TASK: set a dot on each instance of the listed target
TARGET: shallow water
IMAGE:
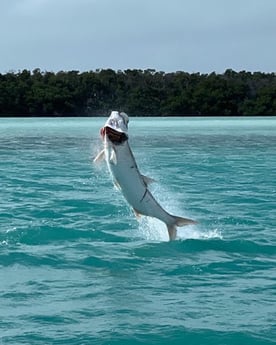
(76, 267)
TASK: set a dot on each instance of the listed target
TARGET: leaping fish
(127, 177)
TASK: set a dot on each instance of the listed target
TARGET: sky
(166, 35)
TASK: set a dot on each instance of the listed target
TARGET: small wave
(46, 234)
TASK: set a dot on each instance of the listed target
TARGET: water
(76, 267)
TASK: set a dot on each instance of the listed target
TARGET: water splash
(154, 230)
(196, 233)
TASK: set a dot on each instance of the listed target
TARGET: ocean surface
(77, 267)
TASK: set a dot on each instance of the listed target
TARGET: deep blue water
(76, 267)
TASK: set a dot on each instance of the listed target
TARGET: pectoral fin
(99, 157)
(113, 158)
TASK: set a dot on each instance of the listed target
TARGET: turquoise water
(76, 267)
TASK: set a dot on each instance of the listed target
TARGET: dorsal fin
(147, 180)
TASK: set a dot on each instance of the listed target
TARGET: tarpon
(127, 177)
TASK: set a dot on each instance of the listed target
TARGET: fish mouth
(114, 136)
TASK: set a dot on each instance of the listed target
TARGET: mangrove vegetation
(137, 92)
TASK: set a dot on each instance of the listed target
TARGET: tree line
(137, 92)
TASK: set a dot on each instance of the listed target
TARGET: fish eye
(113, 123)
(124, 118)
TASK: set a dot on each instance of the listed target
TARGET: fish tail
(177, 221)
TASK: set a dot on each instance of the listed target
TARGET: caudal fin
(178, 221)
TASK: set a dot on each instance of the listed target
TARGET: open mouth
(114, 136)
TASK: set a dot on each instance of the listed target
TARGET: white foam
(194, 232)
(153, 229)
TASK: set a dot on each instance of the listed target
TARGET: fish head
(115, 129)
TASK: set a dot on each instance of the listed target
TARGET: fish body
(127, 177)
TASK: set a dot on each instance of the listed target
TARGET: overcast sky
(166, 35)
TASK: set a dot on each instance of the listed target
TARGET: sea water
(77, 267)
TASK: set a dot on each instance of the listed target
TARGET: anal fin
(137, 214)
(116, 184)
